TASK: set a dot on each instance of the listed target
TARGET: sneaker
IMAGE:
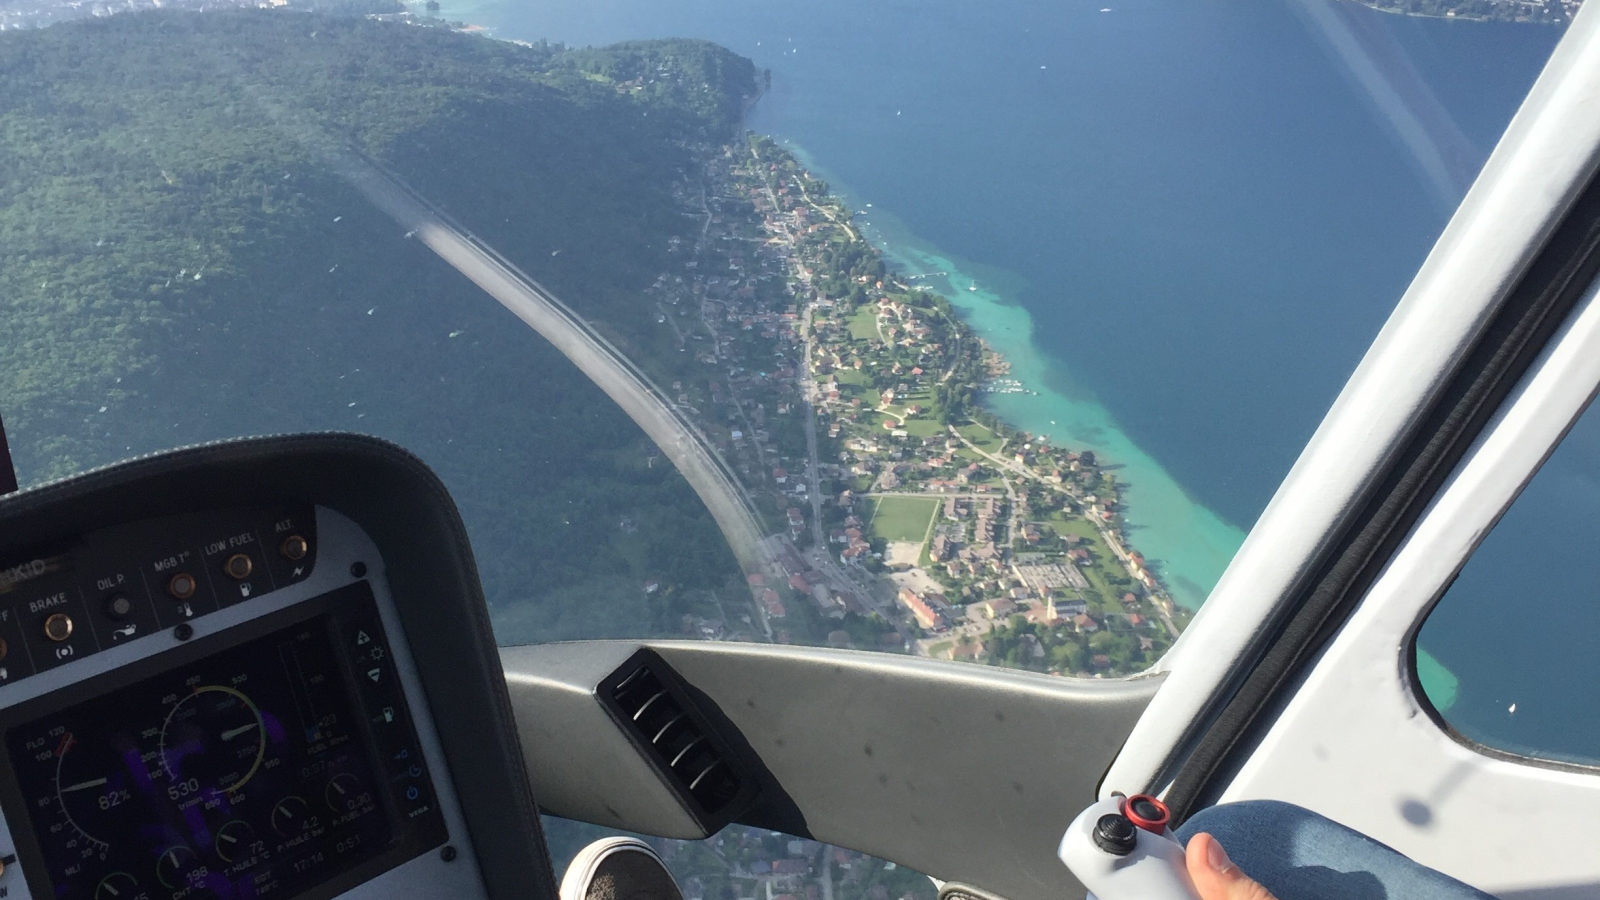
(618, 868)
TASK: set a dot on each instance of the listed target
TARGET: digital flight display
(261, 771)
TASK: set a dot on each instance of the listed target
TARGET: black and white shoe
(618, 868)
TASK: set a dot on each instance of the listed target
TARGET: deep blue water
(1205, 215)
(1520, 627)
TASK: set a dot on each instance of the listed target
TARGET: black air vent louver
(652, 706)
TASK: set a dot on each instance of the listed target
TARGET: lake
(1184, 222)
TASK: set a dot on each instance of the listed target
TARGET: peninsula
(1553, 12)
(850, 400)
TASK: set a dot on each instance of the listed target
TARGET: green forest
(178, 264)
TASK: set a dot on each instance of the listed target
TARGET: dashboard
(227, 702)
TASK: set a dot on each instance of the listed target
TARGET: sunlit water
(1185, 221)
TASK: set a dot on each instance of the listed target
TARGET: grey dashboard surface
(967, 773)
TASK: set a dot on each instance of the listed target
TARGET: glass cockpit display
(252, 772)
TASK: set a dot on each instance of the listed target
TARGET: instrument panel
(249, 766)
(217, 705)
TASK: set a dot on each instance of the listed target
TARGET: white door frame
(1357, 744)
(1543, 162)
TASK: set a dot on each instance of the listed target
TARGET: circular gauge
(342, 793)
(214, 738)
(234, 839)
(174, 866)
(291, 816)
(93, 788)
(116, 886)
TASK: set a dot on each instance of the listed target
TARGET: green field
(864, 323)
(981, 436)
(902, 518)
(922, 427)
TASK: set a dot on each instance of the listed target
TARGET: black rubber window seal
(1313, 612)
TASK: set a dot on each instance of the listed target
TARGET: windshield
(976, 332)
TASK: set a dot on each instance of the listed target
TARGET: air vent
(652, 706)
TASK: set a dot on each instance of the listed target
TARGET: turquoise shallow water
(1186, 220)
(1189, 544)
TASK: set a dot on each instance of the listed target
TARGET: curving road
(723, 494)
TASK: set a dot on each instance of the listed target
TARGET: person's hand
(1215, 875)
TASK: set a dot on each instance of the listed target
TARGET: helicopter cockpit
(268, 667)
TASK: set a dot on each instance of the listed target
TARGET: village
(767, 865)
(850, 403)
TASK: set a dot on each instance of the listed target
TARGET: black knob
(1115, 834)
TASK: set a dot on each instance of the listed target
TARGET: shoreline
(1446, 17)
(1187, 543)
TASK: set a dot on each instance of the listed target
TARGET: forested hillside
(178, 264)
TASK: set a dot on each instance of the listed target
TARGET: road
(1106, 536)
(931, 495)
(723, 494)
(808, 393)
(828, 214)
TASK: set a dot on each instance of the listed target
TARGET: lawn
(902, 518)
(851, 376)
(864, 323)
(981, 436)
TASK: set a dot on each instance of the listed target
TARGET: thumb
(1215, 875)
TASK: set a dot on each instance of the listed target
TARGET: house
(1068, 609)
(1085, 623)
(926, 615)
(1040, 614)
(999, 608)
(969, 651)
